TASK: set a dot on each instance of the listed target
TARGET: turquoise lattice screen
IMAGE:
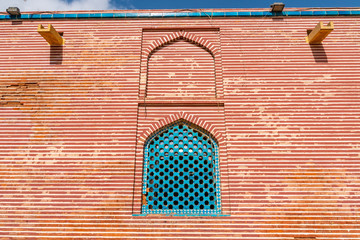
(181, 172)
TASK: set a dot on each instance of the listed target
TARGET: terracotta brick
(74, 120)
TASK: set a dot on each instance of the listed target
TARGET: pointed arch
(178, 116)
(214, 90)
(149, 127)
(181, 171)
(155, 45)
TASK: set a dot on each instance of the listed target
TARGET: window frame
(216, 171)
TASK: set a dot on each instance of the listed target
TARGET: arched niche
(181, 171)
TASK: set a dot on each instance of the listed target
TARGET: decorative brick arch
(144, 135)
(181, 35)
(201, 42)
(178, 116)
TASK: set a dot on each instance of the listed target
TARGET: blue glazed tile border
(156, 15)
(34, 16)
(332, 13)
(307, 13)
(49, 16)
(206, 14)
(180, 15)
(194, 14)
(292, 13)
(58, 15)
(143, 15)
(23, 16)
(220, 14)
(107, 15)
(355, 12)
(95, 15)
(342, 13)
(257, 14)
(319, 13)
(83, 15)
(244, 14)
(274, 14)
(119, 15)
(131, 15)
(231, 14)
(69, 15)
(167, 15)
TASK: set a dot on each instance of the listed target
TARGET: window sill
(180, 215)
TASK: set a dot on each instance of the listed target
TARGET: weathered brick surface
(73, 120)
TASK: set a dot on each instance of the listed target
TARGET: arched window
(181, 172)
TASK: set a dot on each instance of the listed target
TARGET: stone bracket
(319, 33)
(50, 34)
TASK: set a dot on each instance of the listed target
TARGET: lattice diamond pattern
(181, 174)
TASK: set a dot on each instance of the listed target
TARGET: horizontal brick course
(286, 117)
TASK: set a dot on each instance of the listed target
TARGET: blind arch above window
(181, 172)
(181, 69)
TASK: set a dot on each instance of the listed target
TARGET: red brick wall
(73, 119)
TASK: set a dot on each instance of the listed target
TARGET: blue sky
(66, 5)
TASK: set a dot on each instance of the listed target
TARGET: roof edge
(213, 14)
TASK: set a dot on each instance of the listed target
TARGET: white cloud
(61, 5)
